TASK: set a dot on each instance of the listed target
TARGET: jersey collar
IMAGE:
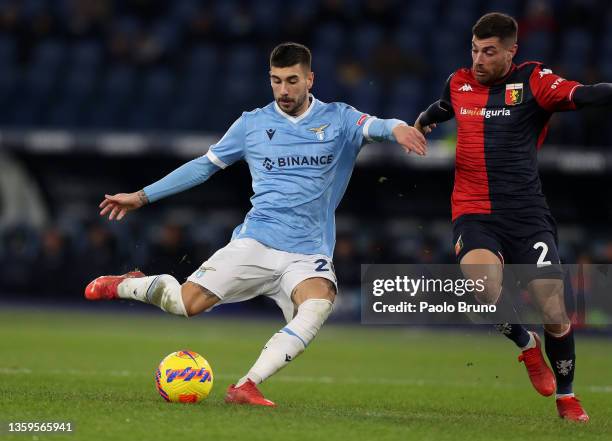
(297, 119)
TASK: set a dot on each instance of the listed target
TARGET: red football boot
(569, 408)
(540, 374)
(105, 287)
(247, 394)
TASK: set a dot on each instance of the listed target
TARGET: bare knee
(314, 288)
(557, 329)
(197, 299)
(484, 266)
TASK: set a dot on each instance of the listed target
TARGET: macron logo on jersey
(466, 88)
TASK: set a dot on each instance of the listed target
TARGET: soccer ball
(184, 377)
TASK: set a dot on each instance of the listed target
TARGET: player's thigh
(197, 299)
(241, 270)
(535, 256)
(479, 252)
(309, 277)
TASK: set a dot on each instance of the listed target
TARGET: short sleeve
(230, 148)
(552, 92)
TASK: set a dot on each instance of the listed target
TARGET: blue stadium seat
(405, 99)
(606, 68)
(33, 7)
(449, 53)
(576, 50)
(48, 57)
(158, 85)
(86, 54)
(203, 61)
(326, 82)
(80, 82)
(9, 77)
(167, 34)
(65, 114)
(510, 7)
(365, 40)
(412, 41)
(329, 36)
(266, 15)
(116, 90)
(537, 46)
(149, 109)
(244, 59)
(8, 50)
(460, 17)
(366, 97)
(119, 81)
(421, 15)
(607, 47)
(78, 86)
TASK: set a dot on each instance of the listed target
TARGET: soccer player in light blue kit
(301, 153)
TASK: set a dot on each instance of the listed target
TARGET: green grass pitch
(353, 382)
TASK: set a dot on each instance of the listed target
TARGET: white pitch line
(297, 379)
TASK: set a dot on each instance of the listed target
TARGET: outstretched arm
(395, 130)
(361, 128)
(595, 95)
(438, 112)
(186, 176)
(227, 151)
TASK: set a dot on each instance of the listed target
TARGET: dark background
(75, 72)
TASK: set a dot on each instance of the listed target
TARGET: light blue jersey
(300, 168)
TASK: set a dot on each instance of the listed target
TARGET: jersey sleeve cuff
(215, 159)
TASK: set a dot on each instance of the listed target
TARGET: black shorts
(528, 241)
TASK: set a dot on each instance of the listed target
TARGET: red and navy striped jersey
(499, 130)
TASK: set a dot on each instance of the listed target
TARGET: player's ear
(512, 50)
(310, 79)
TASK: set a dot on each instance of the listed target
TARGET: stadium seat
(330, 36)
(366, 97)
(365, 41)
(412, 41)
(537, 46)
(8, 50)
(86, 54)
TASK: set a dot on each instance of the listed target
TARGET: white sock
(532, 342)
(557, 396)
(289, 342)
(163, 291)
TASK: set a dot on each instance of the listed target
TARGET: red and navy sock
(515, 332)
(561, 352)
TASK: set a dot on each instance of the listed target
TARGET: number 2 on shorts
(322, 263)
(541, 261)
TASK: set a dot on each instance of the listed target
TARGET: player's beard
(490, 77)
(297, 104)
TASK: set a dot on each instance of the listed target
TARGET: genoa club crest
(514, 94)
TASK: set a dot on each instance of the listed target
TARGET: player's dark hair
(290, 54)
(496, 24)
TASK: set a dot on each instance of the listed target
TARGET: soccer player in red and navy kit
(499, 212)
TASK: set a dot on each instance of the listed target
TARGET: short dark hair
(496, 24)
(290, 54)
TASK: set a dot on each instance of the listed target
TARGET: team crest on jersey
(514, 94)
(458, 245)
(319, 131)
